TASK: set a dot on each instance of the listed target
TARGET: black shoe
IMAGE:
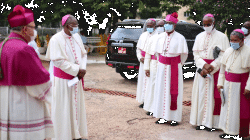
(161, 121)
(141, 106)
(174, 123)
(210, 129)
(222, 136)
(200, 127)
(149, 113)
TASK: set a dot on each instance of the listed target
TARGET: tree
(229, 14)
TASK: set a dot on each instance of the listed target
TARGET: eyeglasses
(33, 27)
(246, 27)
(74, 26)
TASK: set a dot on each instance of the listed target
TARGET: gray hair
(158, 21)
(209, 17)
(151, 21)
(18, 28)
(240, 35)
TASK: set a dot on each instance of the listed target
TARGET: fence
(4, 31)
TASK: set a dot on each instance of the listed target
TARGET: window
(186, 14)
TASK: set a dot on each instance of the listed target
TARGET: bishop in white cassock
(150, 67)
(234, 79)
(141, 52)
(172, 52)
(69, 58)
(206, 101)
(246, 30)
(25, 87)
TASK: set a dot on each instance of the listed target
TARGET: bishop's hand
(81, 73)
(219, 88)
(208, 67)
(147, 72)
(246, 93)
(142, 60)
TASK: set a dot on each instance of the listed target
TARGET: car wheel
(130, 75)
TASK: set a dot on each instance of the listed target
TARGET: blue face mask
(150, 30)
(160, 30)
(168, 27)
(235, 46)
(75, 30)
(245, 30)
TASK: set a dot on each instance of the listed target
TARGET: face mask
(235, 46)
(245, 30)
(75, 30)
(150, 30)
(208, 29)
(168, 27)
(160, 30)
(34, 36)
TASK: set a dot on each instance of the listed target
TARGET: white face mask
(34, 36)
(160, 29)
(208, 29)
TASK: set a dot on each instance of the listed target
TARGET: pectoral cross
(165, 51)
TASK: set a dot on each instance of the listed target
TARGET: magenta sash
(244, 102)
(143, 53)
(153, 57)
(173, 62)
(217, 99)
(61, 74)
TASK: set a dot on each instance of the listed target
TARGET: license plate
(122, 50)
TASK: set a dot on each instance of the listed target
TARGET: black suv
(121, 53)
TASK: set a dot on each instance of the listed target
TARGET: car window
(182, 29)
(127, 31)
(194, 30)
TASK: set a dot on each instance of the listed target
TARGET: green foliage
(229, 14)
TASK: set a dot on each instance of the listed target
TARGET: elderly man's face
(207, 22)
(160, 24)
(150, 25)
(247, 26)
(72, 24)
(236, 39)
(171, 23)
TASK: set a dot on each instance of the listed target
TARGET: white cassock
(247, 40)
(233, 61)
(151, 65)
(68, 105)
(142, 78)
(202, 107)
(173, 45)
(25, 109)
(34, 45)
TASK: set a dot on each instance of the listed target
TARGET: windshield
(127, 31)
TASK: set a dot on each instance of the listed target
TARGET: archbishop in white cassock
(205, 110)
(66, 51)
(172, 52)
(150, 67)
(234, 79)
(141, 48)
